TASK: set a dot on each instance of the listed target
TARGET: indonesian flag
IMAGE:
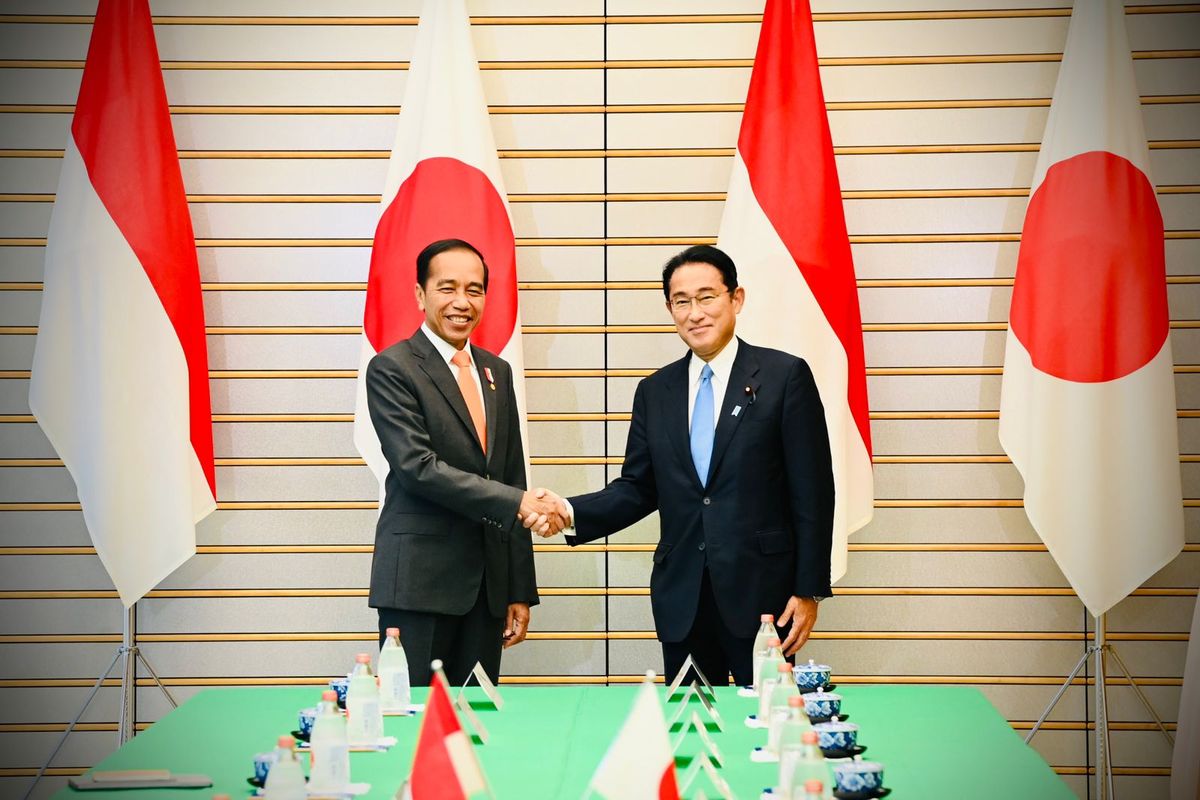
(784, 227)
(639, 764)
(120, 367)
(1087, 408)
(444, 765)
(443, 183)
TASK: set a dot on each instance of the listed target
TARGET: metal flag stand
(129, 654)
(1100, 649)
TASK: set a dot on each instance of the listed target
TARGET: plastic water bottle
(364, 717)
(781, 695)
(329, 764)
(395, 692)
(766, 632)
(285, 781)
(800, 764)
(768, 673)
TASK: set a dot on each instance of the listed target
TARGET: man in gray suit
(453, 566)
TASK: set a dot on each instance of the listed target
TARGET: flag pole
(1100, 649)
(129, 654)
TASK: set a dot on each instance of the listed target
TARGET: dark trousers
(458, 640)
(714, 649)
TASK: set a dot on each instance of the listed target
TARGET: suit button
(708, 501)
(701, 546)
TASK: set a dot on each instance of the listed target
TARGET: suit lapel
(440, 375)
(678, 400)
(742, 376)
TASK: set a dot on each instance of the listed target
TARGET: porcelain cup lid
(811, 667)
(835, 726)
(857, 766)
(818, 697)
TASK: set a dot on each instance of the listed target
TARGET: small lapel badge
(736, 410)
(491, 379)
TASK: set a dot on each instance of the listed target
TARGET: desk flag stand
(129, 654)
(1100, 649)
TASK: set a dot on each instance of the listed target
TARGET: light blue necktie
(702, 425)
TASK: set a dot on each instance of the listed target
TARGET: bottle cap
(393, 632)
(796, 701)
(809, 737)
(767, 618)
(329, 696)
(813, 786)
(286, 741)
(362, 658)
(774, 642)
(784, 667)
(221, 797)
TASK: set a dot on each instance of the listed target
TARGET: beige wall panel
(251, 264)
(627, 613)
(657, 174)
(560, 263)
(554, 658)
(561, 613)
(947, 525)
(568, 480)
(335, 220)
(52, 86)
(873, 83)
(25, 219)
(29, 174)
(634, 656)
(83, 747)
(669, 218)
(564, 395)
(562, 307)
(566, 438)
(24, 440)
(31, 705)
(55, 617)
(574, 568)
(283, 351)
(280, 395)
(552, 175)
(281, 308)
(643, 351)
(1152, 614)
(563, 350)
(933, 392)
(934, 437)
(645, 531)
(49, 785)
(21, 263)
(43, 528)
(287, 526)
(950, 481)
(934, 348)
(37, 484)
(284, 439)
(1173, 167)
(1025, 702)
(296, 483)
(337, 132)
(272, 571)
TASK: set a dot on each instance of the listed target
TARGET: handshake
(543, 512)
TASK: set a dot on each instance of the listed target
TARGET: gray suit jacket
(450, 514)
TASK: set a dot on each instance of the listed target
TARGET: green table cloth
(934, 741)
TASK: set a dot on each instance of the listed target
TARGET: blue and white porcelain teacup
(858, 776)
(341, 686)
(836, 735)
(822, 705)
(262, 766)
(307, 717)
(811, 676)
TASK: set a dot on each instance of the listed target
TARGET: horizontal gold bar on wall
(611, 19)
(664, 152)
(590, 64)
(631, 108)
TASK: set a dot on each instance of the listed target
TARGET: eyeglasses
(682, 305)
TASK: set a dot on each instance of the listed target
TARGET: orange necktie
(466, 384)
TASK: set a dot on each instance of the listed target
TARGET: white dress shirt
(447, 351)
(722, 365)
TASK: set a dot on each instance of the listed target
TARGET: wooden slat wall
(616, 121)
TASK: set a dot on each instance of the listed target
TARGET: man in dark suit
(729, 445)
(453, 566)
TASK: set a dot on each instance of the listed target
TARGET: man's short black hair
(441, 246)
(701, 254)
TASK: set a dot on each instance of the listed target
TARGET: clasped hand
(543, 512)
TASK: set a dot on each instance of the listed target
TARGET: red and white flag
(784, 227)
(1087, 408)
(444, 764)
(639, 764)
(443, 182)
(120, 367)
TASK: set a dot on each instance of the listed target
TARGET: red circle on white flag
(1090, 296)
(443, 198)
